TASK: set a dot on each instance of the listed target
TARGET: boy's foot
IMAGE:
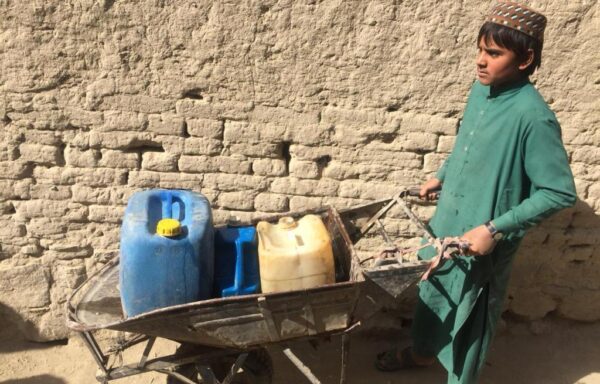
(394, 360)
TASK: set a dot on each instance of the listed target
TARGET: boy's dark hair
(515, 41)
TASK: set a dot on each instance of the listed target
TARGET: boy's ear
(528, 60)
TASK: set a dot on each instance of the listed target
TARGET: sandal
(388, 361)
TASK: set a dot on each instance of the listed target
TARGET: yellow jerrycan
(294, 254)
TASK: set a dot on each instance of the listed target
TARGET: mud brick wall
(263, 106)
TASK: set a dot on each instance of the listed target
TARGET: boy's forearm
(533, 210)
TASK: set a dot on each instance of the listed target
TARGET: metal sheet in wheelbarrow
(237, 322)
(394, 277)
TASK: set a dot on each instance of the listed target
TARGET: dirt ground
(549, 352)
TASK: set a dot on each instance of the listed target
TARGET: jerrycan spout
(287, 222)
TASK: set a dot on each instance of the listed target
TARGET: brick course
(263, 109)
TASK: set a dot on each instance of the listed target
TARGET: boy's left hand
(481, 241)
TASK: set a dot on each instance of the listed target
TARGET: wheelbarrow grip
(416, 191)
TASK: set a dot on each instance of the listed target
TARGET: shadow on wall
(41, 379)
(556, 277)
(11, 336)
(557, 270)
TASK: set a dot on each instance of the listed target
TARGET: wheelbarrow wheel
(257, 369)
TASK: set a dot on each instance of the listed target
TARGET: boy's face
(496, 65)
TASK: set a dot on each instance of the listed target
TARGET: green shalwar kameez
(508, 165)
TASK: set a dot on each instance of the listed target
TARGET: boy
(508, 171)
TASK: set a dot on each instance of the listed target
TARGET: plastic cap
(168, 227)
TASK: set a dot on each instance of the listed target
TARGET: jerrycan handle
(239, 265)
(238, 276)
(167, 204)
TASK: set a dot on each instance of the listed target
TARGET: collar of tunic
(505, 90)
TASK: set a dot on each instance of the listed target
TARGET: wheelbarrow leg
(207, 374)
(301, 367)
(241, 359)
(345, 353)
(94, 348)
(147, 350)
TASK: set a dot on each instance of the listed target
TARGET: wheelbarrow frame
(264, 319)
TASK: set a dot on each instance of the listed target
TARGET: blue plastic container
(158, 271)
(236, 261)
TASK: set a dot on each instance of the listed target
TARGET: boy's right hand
(429, 190)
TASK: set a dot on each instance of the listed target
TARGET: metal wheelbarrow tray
(242, 323)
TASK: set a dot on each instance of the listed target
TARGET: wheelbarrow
(223, 340)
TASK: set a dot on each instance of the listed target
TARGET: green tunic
(508, 165)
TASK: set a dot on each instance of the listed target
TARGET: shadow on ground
(561, 352)
(557, 351)
(40, 379)
(12, 338)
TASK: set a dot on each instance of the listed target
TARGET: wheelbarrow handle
(415, 191)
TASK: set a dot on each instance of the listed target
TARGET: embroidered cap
(519, 17)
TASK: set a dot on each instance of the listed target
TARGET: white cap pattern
(520, 18)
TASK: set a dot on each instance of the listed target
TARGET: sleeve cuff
(441, 173)
(506, 223)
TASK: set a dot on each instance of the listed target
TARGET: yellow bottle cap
(168, 228)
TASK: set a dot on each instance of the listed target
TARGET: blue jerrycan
(236, 261)
(167, 250)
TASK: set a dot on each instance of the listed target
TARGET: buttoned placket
(474, 131)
